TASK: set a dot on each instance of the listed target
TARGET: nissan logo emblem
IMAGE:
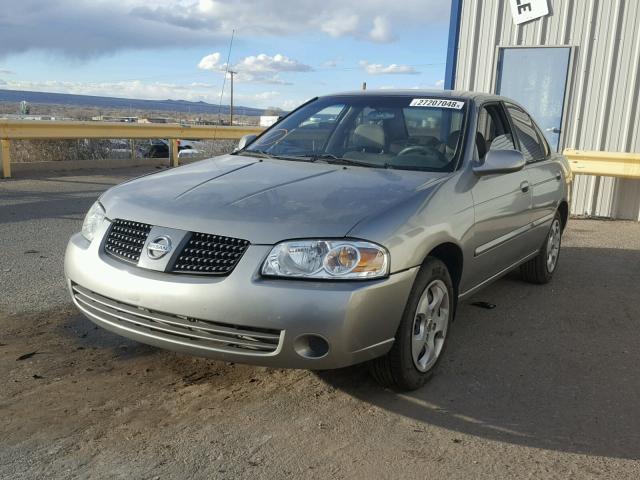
(159, 247)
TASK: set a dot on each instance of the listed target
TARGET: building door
(537, 78)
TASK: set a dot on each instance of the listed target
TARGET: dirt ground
(545, 385)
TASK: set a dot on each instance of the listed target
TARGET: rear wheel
(422, 334)
(541, 268)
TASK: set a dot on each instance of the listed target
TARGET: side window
(543, 141)
(530, 145)
(493, 131)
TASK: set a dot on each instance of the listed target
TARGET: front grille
(126, 239)
(176, 329)
(210, 254)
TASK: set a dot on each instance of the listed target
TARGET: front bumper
(357, 319)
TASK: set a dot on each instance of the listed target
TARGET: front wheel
(540, 269)
(422, 334)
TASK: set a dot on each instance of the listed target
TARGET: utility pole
(232, 73)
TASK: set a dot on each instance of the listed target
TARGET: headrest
(481, 144)
(452, 140)
(369, 135)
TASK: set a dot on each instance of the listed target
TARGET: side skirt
(495, 277)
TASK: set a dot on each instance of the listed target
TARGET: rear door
(542, 172)
(502, 202)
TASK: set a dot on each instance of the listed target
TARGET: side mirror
(500, 161)
(245, 140)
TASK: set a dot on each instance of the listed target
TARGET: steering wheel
(432, 152)
(416, 150)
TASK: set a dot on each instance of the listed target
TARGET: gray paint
(601, 111)
(497, 221)
(500, 161)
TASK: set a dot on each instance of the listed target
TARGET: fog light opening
(311, 346)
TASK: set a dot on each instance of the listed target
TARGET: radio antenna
(226, 72)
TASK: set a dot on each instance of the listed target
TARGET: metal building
(577, 69)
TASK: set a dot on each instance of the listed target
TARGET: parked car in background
(119, 148)
(160, 149)
(347, 232)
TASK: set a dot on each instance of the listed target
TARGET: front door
(537, 78)
(502, 202)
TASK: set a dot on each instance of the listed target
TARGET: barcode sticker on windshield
(437, 103)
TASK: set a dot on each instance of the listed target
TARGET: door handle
(552, 130)
(524, 186)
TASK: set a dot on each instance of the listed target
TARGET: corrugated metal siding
(602, 96)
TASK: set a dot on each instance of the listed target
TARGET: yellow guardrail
(610, 164)
(52, 130)
(607, 164)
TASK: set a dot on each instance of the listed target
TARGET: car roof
(459, 94)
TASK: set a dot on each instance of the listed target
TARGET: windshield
(413, 133)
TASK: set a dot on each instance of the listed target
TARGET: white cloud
(392, 69)
(261, 63)
(264, 63)
(340, 24)
(207, 6)
(195, 91)
(88, 28)
(210, 62)
(260, 68)
(381, 31)
(126, 89)
(435, 86)
(266, 95)
(332, 63)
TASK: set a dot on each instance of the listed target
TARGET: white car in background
(186, 149)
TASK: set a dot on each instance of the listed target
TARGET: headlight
(328, 259)
(92, 221)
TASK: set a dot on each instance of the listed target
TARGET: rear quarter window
(531, 146)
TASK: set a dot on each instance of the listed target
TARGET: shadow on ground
(552, 366)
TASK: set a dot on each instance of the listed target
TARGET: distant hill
(121, 103)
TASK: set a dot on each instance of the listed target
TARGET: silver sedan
(345, 233)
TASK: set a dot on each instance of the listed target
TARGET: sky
(285, 51)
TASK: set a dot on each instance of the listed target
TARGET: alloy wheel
(430, 325)
(553, 245)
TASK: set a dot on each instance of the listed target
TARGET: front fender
(440, 214)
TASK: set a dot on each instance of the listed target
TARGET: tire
(541, 268)
(407, 366)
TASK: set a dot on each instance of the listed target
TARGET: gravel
(544, 385)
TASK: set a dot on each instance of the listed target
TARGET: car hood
(263, 201)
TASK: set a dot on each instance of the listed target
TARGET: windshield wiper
(265, 154)
(314, 157)
(331, 158)
(255, 153)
